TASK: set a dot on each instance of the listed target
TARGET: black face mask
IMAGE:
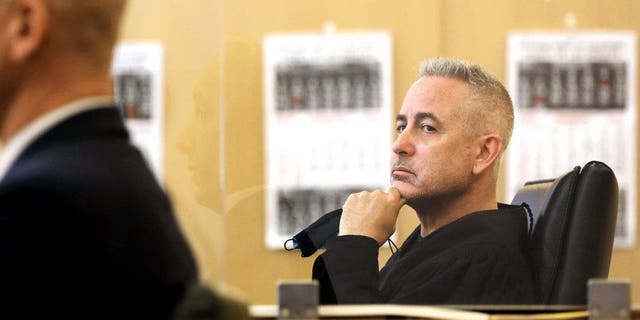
(315, 235)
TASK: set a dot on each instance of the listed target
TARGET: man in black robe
(454, 125)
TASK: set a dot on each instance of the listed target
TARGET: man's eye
(400, 128)
(428, 128)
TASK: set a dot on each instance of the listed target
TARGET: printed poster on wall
(575, 99)
(327, 106)
(138, 83)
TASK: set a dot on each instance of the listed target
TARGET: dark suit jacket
(85, 230)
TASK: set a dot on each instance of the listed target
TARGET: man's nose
(404, 143)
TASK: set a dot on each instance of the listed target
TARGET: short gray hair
(488, 108)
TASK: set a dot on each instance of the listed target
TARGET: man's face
(431, 155)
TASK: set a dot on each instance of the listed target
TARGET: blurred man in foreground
(85, 230)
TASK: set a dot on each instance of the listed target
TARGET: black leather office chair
(574, 219)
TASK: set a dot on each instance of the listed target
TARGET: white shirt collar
(20, 141)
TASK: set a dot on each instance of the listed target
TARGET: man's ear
(28, 26)
(489, 152)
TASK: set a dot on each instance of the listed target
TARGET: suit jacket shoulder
(82, 215)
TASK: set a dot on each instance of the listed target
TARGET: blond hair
(86, 27)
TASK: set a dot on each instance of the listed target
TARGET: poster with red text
(327, 106)
(574, 95)
(138, 82)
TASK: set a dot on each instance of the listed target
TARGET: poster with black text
(327, 124)
(138, 83)
(574, 95)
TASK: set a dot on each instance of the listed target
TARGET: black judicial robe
(477, 259)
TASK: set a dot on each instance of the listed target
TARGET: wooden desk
(388, 311)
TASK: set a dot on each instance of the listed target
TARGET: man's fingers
(395, 194)
(372, 214)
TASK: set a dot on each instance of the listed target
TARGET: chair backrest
(574, 220)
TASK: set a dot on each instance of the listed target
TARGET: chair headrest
(574, 224)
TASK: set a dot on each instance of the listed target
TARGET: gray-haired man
(454, 125)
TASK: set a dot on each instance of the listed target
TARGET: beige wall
(191, 34)
(214, 154)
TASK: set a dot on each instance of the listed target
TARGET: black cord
(527, 209)
(390, 242)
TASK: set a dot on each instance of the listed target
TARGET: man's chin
(404, 188)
